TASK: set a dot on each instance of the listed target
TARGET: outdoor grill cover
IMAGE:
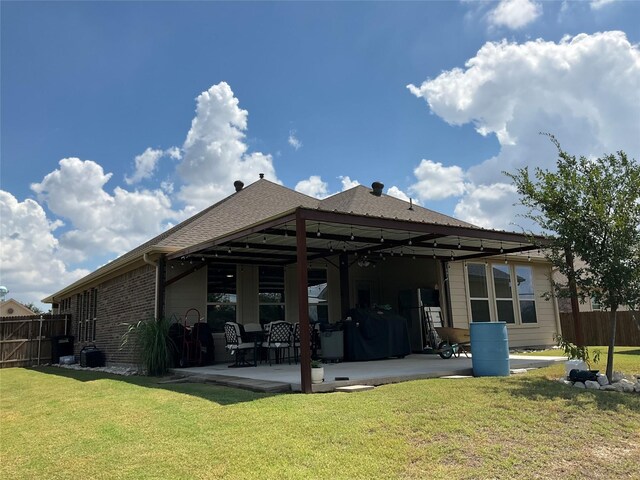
(375, 334)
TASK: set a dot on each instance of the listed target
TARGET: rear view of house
(269, 253)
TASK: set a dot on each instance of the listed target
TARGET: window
(503, 292)
(318, 295)
(526, 298)
(478, 292)
(510, 299)
(86, 313)
(221, 296)
(271, 294)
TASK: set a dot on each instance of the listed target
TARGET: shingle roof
(360, 201)
(262, 200)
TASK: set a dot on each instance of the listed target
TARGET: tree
(31, 306)
(591, 208)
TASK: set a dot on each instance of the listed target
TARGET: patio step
(252, 384)
(354, 388)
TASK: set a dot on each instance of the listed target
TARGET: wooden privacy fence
(26, 341)
(596, 328)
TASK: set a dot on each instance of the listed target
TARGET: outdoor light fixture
(364, 262)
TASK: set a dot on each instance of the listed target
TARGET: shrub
(151, 337)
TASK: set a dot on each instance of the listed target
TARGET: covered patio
(304, 235)
(285, 377)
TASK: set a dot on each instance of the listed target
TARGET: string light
(318, 232)
(501, 249)
(410, 242)
(435, 244)
(264, 239)
(481, 246)
(459, 246)
(381, 237)
(352, 237)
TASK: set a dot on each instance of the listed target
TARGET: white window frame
(515, 296)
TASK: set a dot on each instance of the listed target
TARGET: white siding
(539, 334)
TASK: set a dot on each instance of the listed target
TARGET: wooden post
(573, 291)
(303, 304)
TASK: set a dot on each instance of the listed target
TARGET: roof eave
(121, 263)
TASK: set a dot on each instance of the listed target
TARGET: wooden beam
(303, 306)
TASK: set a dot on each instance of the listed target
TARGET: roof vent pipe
(376, 188)
(238, 184)
(261, 175)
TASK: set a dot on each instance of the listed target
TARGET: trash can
(331, 342)
(61, 346)
(489, 349)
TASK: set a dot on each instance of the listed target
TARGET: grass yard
(58, 423)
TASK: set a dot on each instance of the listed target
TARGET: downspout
(145, 257)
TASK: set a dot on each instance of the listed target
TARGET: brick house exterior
(263, 225)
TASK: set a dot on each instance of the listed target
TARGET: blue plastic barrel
(489, 349)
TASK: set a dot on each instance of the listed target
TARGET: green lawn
(57, 423)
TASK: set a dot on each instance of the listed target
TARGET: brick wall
(124, 300)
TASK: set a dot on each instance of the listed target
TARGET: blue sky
(314, 94)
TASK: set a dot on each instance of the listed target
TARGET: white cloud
(31, 268)
(396, 192)
(347, 183)
(598, 4)
(313, 186)
(294, 141)
(145, 164)
(214, 153)
(489, 206)
(583, 89)
(436, 181)
(101, 222)
(514, 14)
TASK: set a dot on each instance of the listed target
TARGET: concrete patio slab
(285, 377)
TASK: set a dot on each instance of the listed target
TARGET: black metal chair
(236, 345)
(278, 339)
(296, 340)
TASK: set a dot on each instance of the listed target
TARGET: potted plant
(317, 371)
(579, 357)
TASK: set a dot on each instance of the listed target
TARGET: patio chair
(296, 340)
(278, 339)
(236, 346)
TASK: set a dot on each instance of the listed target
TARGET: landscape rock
(637, 387)
(618, 387)
(616, 377)
(579, 385)
(602, 379)
(592, 385)
(608, 388)
(627, 385)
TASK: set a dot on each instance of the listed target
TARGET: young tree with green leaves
(591, 209)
